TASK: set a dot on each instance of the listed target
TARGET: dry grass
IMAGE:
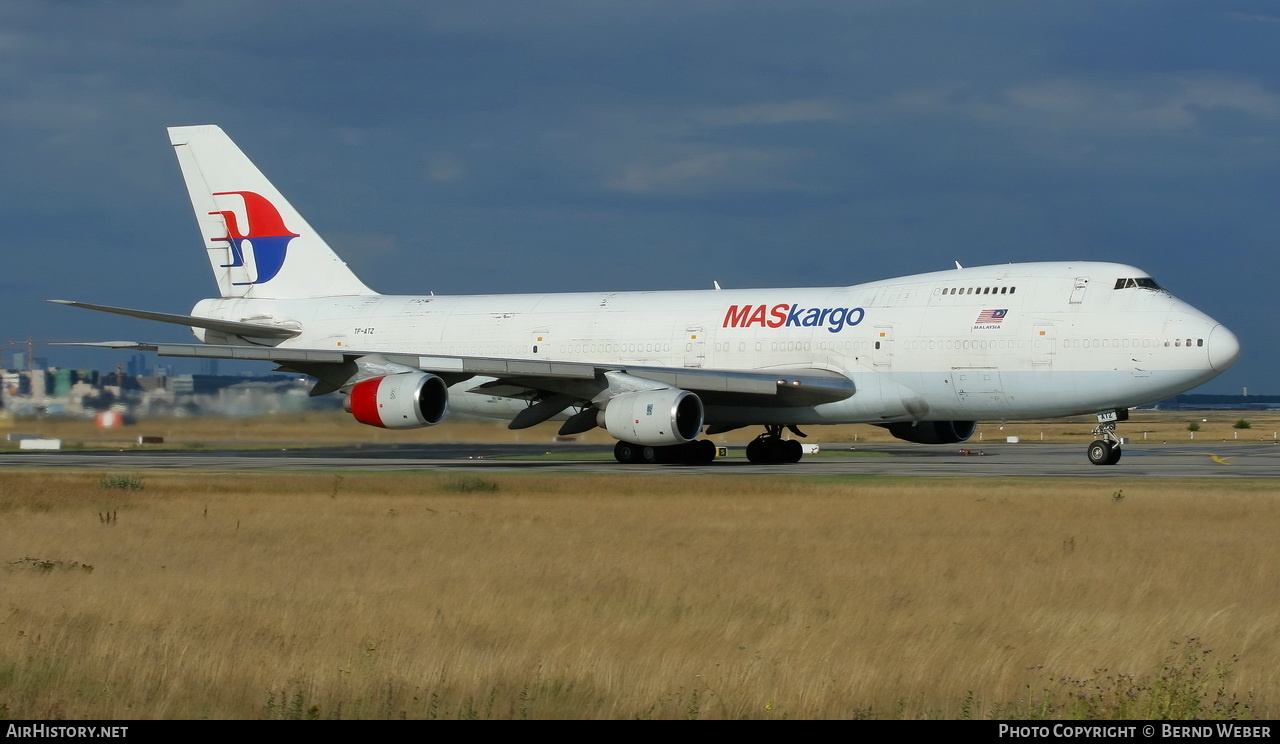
(337, 427)
(607, 597)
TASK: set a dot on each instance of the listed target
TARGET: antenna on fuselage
(958, 266)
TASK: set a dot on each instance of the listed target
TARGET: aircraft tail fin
(259, 246)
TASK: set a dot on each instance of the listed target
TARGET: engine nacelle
(654, 417)
(932, 432)
(404, 401)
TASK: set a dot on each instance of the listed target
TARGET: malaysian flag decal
(991, 316)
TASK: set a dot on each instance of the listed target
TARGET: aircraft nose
(1224, 348)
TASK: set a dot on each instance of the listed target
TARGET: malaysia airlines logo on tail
(265, 231)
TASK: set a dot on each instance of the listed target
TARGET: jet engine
(932, 432)
(654, 417)
(402, 401)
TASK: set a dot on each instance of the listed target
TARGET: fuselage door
(882, 347)
(979, 389)
(1044, 345)
(694, 346)
(540, 343)
(1077, 292)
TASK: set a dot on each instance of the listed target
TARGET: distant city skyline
(136, 364)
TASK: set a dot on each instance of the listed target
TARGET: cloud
(781, 112)
(445, 169)
(707, 170)
(1164, 102)
(1255, 18)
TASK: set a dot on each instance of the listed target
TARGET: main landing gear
(699, 452)
(770, 448)
(1105, 450)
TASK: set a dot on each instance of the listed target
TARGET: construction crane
(30, 344)
(31, 351)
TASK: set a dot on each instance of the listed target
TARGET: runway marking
(1250, 461)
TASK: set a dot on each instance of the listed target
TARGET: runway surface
(1027, 460)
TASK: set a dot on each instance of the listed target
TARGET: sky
(495, 146)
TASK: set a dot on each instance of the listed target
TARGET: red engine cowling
(405, 401)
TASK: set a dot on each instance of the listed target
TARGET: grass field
(186, 595)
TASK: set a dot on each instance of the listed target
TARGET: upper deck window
(1144, 282)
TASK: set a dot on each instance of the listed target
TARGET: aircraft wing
(531, 378)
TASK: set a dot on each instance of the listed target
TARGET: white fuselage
(996, 342)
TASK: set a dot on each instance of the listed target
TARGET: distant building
(137, 366)
(148, 391)
(14, 383)
(36, 383)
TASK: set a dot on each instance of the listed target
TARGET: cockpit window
(1144, 282)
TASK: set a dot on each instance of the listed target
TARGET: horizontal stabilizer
(232, 327)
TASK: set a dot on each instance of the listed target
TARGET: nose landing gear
(1105, 450)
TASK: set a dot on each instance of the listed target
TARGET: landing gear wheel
(1102, 452)
(697, 452)
(626, 453)
(771, 449)
(1105, 450)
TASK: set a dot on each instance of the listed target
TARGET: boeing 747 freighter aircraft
(925, 356)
